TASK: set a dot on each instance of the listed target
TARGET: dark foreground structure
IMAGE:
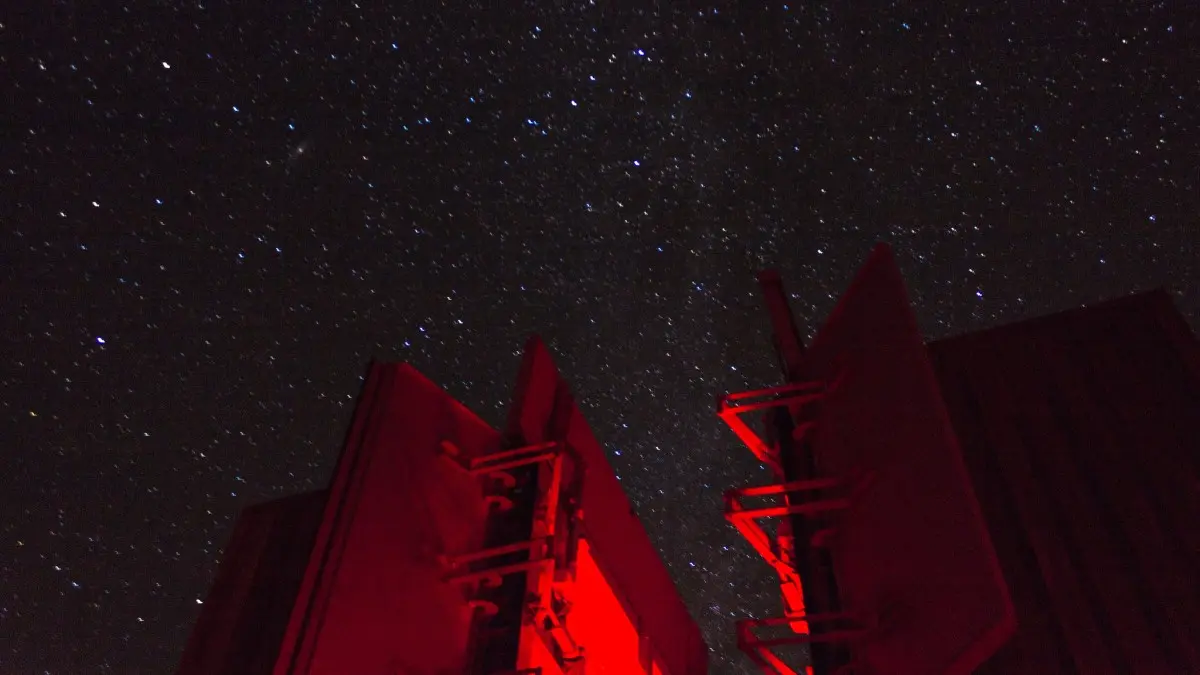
(1018, 500)
(442, 546)
(1081, 433)
(1023, 500)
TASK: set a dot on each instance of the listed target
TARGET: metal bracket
(547, 553)
(746, 522)
(787, 499)
(731, 407)
(492, 576)
(838, 628)
(496, 462)
(549, 626)
(744, 519)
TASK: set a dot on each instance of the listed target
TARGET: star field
(213, 214)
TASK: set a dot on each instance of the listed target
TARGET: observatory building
(1021, 500)
(1018, 500)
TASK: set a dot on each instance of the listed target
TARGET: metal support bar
(856, 627)
(551, 537)
(513, 463)
(494, 575)
(788, 450)
(809, 508)
(777, 555)
(760, 650)
(789, 346)
(784, 488)
(731, 407)
(484, 554)
(743, 518)
(505, 459)
(479, 462)
(813, 387)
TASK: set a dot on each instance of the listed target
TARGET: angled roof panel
(1081, 431)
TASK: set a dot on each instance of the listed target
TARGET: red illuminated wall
(358, 578)
(1081, 432)
(349, 579)
(602, 623)
(373, 600)
(615, 538)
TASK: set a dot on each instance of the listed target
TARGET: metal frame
(541, 546)
(788, 499)
(502, 460)
(744, 519)
(732, 406)
(761, 650)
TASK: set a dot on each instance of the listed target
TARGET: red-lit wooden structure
(445, 547)
(1020, 500)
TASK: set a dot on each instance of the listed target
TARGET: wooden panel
(1005, 516)
(1087, 425)
(374, 601)
(913, 549)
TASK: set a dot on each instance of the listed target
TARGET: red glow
(919, 587)
(406, 563)
(537, 654)
(599, 621)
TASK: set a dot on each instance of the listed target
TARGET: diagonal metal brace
(744, 519)
(838, 628)
(731, 407)
(506, 459)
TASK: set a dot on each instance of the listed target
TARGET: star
(431, 186)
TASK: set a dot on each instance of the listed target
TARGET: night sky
(213, 213)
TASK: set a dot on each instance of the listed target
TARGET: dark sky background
(213, 214)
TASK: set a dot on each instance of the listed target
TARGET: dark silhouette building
(1018, 500)
(1021, 500)
(443, 546)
